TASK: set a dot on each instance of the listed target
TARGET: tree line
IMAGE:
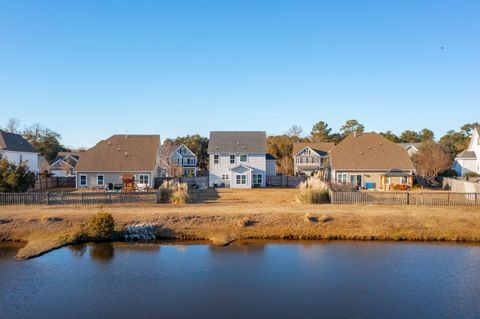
(45, 140)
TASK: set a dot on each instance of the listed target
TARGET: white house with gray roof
(16, 149)
(239, 159)
(468, 161)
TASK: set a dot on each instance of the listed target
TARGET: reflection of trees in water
(102, 251)
(78, 250)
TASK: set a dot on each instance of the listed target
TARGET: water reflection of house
(371, 161)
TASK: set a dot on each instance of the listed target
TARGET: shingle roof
(407, 145)
(121, 153)
(270, 157)
(238, 142)
(369, 151)
(467, 155)
(15, 142)
(321, 148)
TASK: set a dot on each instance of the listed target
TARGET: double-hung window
(100, 180)
(83, 180)
(225, 177)
(243, 158)
(257, 179)
(241, 179)
(143, 178)
(232, 159)
(216, 159)
(342, 178)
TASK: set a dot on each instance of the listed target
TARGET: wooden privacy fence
(77, 198)
(285, 181)
(406, 198)
(50, 182)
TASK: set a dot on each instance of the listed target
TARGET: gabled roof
(238, 142)
(369, 151)
(121, 153)
(467, 155)
(409, 145)
(71, 158)
(170, 149)
(241, 165)
(320, 148)
(15, 143)
(270, 157)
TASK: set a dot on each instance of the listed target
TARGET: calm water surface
(247, 280)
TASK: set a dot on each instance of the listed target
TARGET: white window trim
(256, 177)
(343, 175)
(216, 159)
(234, 158)
(242, 178)
(240, 158)
(103, 179)
(80, 180)
(225, 177)
(143, 175)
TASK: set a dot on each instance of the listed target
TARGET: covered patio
(396, 180)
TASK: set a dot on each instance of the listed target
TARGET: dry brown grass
(273, 213)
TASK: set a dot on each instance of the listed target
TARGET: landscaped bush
(173, 192)
(101, 226)
(312, 191)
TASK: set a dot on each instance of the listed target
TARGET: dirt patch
(260, 214)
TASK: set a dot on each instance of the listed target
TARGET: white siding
(271, 167)
(255, 161)
(464, 166)
(30, 158)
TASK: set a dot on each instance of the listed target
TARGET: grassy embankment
(226, 215)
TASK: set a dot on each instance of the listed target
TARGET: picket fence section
(406, 198)
(77, 198)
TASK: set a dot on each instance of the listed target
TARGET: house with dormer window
(178, 160)
(310, 158)
(239, 159)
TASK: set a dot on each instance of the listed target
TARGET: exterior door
(356, 180)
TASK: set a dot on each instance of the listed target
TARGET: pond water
(245, 280)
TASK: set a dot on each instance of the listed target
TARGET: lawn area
(221, 214)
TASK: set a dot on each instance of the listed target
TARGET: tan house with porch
(370, 161)
(135, 156)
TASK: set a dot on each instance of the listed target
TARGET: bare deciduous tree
(168, 167)
(431, 160)
(13, 126)
(285, 166)
(295, 131)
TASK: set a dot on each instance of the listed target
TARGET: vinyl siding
(30, 158)
(110, 177)
(255, 161)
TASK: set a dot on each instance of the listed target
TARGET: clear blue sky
(89, 69)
